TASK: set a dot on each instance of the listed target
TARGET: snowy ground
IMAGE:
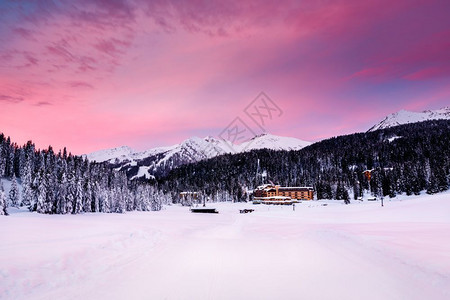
(359, 251)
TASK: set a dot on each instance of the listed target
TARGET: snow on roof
(273, 197)
(270, 186)
(295, 187)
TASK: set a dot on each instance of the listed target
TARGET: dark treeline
(403, 159)
(61, 183)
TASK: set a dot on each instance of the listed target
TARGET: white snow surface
(356, 251)
(7, 186)
(406, 117)
(143, 172)
(391, 139)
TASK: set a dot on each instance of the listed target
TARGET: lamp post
(368, 174)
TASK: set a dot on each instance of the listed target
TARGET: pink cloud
(145, 73)
(429, 73)
(379, 73)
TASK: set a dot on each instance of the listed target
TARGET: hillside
(159, 161)
(404, 159)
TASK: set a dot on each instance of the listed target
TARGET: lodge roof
(272, 188)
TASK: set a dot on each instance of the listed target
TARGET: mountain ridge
(406, 117)
(162, 159)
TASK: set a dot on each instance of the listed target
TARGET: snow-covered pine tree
(27, 184)
(14, 198)
(146, 194)
(35, 192)
(69, 203)
(49, 186)
(87, 196)
(96, 197)
(156, 200)
(105, 206)
(20, 160)
(118, 200)
(41, 205)
(71, 187)
(78, 198)
(3, 211)
(62, 195)
(10, 166)
(50, 177)
(2, 161)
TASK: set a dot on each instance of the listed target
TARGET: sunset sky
(99, 74)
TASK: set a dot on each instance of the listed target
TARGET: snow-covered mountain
(119, 153)
(274, 142)
(162, 159)
(405, 117)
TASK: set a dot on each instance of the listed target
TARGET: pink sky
(100, 74)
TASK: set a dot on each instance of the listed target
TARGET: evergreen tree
(41, 205)
(87, 196)
(71, 187)
(3, 210)
(2, 161)
(96, 197)
(70, 201)
(432, 184)
(78, 198)
(105, 205)
(62, 195)
(14, 198)
(27, 184)
(119, 200)
(47, 193)
(35, 192)
(440, 174)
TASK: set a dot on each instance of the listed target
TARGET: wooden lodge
(275, 194)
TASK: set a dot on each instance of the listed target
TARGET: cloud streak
(10, 99)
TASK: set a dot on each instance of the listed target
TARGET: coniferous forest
(61, 183)
(404, 159)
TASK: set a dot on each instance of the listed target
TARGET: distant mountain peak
(108, 154)
(209, 138)
(261, 135)
(406, 117)
(193, 149)
(274, 142)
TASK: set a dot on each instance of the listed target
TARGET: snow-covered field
(358, 251)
